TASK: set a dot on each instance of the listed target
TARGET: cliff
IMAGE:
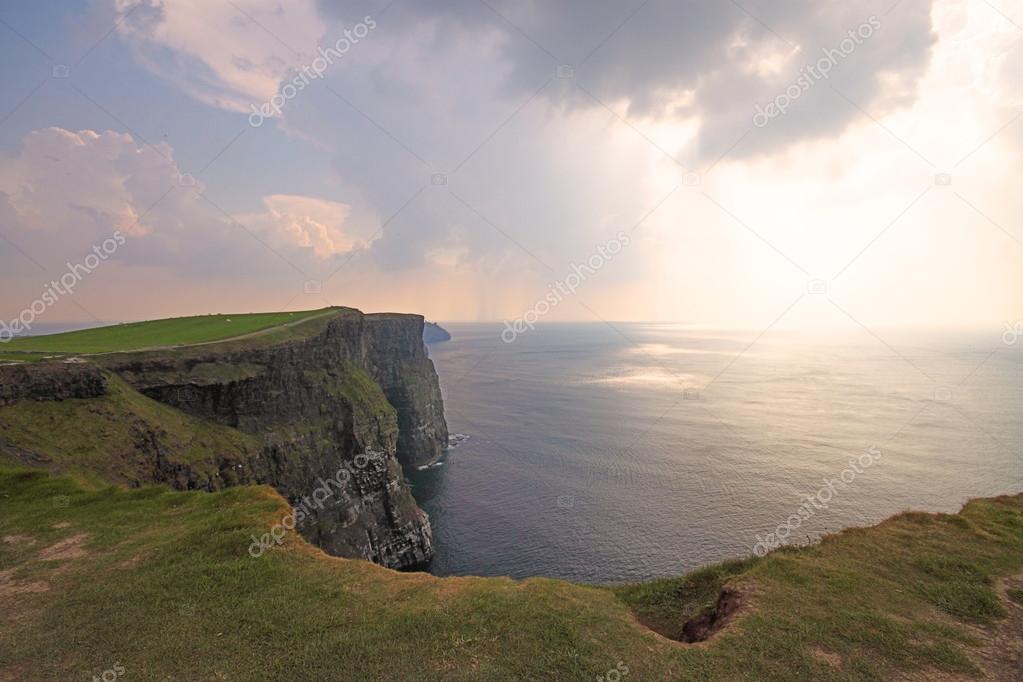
(291, 408)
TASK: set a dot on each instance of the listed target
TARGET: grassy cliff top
(161, 583)
(173, 332)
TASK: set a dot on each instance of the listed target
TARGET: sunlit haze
(460, 161)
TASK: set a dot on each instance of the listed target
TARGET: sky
(739, 164)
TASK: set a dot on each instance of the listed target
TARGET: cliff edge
(325, 410)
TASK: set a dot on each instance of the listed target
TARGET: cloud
(229, 55)
(710, 63)
(307, 222)
(438, 86)
(671, 60)
(65, 191)
(455, 88)
(85, 184)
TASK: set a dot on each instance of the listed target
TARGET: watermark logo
(558, 291)
(312, 71)
(1013, 332)
(811, 74)
(615, 674)
(817, 287)
(111, 674)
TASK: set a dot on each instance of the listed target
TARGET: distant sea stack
(434, 333)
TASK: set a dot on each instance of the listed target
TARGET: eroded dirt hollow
(703, 627)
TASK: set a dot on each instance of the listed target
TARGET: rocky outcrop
(335, 406)
(50, 381)
(434, 333)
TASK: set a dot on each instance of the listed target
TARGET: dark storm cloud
(648, 54)
(444, 81)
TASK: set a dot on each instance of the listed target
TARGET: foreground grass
(160, 583)
(176, 331)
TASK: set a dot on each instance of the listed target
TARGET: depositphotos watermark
(110, 675)
(1013, 333)
(810, 74)
(316, 69)
(559, 290)
(64, 286)
(304, 509)
(820, 500)
(615, 674)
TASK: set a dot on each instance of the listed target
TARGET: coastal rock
(434, 333)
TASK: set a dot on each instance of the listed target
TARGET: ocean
(603, 453)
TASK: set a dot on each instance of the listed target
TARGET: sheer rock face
(335, 413)
(406, 374)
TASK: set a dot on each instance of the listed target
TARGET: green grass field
(178, 331)
(161, 583)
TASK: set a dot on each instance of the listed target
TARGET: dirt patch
(18, 539)
(62, 525)
(69, 548)
(9, 587)
(704, 626)
(826, 657)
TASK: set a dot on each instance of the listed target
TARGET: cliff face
(405, 372)
(315, 405)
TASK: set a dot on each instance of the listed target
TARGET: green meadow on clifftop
(177, 331)
(161, 583)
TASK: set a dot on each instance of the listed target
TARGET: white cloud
(86, 182)
(308, 222)
(65, 190)
(227, 54)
